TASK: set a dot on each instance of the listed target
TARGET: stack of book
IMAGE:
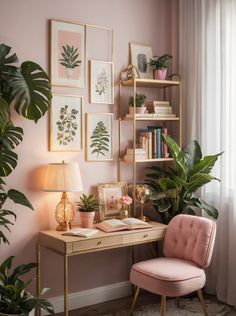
(140, 153)
(160, 108)
(151, 141)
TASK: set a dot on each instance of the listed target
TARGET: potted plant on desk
(138, 100)
(160, 66)
(87, 207)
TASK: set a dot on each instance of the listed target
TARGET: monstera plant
(26, 89)
(173, 191)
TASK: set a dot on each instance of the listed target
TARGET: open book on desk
(81, 232)
(113, 225)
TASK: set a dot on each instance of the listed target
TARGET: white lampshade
(63, 177)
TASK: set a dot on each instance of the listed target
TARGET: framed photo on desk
(110, 195)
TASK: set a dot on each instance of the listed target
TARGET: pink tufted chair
(188, 247)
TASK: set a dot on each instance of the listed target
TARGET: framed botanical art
(99, 136)
(101, 82)
(110, 195)
(68, 61)
(140, 56)
(66, 123)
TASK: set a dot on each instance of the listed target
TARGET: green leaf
(19, 198)
(8, 161)
(31, 91)
(205, 165)
(11, 136)
(163, 206)
(4, 112)
(193, 154)
(198, 180)
(197, 202)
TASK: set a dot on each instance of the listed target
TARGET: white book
(112, 225)
(165, 115)
(81, 232)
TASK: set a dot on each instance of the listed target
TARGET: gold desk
(67, 246)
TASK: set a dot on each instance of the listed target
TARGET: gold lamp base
(64, 213)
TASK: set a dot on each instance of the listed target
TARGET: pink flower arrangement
(125, 199)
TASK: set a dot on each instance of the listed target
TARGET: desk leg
(38, 273)
(66, 285)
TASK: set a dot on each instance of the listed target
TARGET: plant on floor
(173, 191)
(15, 299)
(27, 90)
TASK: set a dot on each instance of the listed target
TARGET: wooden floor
(112, 307)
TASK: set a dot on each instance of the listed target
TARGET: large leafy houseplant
(174, 190)
(14, 298)
(27, 90)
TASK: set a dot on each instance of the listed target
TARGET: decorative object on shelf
(68, 54)
(137, 103)
(110, 195)
(129, 73)
(87, 207)
(125, 201)
(101, 82)
(15, 299)
(160, 66)
(63, 177)
(142, 194)
(99, 136)
(66, 123)
(173, 191)
(139, 57)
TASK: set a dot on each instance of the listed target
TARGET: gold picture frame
(101, 82)
(68, 54)
(99, 136)
(140, 56)
(66, 123)
(110, 194)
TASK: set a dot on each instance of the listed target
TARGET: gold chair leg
(178, 301)
(163, 305)
(204, 307)
(134, 300)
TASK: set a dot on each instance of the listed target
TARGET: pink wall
(24, 26)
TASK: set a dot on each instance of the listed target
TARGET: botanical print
(101, 82)
(66, 123)
(99, 136)
(67, 54)
(100, 140)
(140, 56)
(70, 60)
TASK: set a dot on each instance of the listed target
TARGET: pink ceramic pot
(160, 74)
(86, 219)
(140, 110)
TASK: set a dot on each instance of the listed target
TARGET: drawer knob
(99, 243)
(145, 236)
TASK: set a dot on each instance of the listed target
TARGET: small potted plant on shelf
(160, 66)
(139, 104)
(14, 298)
(87, 207)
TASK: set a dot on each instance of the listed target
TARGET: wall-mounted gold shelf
(150, 83)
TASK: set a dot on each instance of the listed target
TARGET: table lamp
(63, 177)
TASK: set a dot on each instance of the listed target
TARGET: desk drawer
(138, 237)
(97, 243)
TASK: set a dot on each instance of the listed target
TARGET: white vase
(138, 109)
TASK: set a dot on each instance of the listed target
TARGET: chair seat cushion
(168, 276)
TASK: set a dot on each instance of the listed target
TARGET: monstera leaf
(8, 161)
(6, 62)
(31, 91)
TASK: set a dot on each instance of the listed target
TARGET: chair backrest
(190, 238)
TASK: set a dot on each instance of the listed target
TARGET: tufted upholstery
(191, 238)
(188, 247)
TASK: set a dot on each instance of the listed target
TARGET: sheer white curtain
(208, 68)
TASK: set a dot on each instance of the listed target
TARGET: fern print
(70, 57)
(100, 139)
(67, 125)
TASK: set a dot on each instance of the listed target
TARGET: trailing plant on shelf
(173, 191)
(100, 139)
(15, 299)
(139, 100)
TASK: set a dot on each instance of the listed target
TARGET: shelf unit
(147, 83)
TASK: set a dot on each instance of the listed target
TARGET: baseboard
(92, 296)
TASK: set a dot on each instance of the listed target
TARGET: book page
(114, 222)
(133, 221)
(82, 232)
